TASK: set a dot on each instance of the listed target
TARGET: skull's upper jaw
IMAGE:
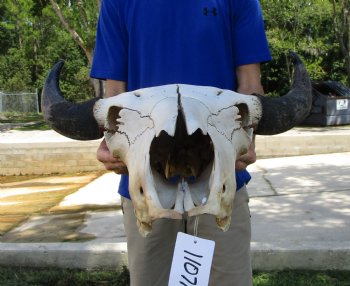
(212, 192)
(156, 197)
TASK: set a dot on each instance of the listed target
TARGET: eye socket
(243, 111)
(112, 119)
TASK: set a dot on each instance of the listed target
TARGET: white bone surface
(147, 113)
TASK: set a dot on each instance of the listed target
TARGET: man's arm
(248, 82)
(249, 79)
(113, 87)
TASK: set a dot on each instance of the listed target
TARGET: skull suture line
(192, 133)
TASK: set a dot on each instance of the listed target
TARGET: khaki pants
(150, 258)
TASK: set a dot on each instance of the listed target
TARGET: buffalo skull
(179, 142)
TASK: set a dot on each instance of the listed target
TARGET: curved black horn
(283, 113)
(73, 120)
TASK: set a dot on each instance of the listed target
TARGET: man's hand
(113, 88)
(111, 163)
(246, 159)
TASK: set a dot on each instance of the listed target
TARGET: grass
(24, 121)
(62, 277)
(34, 126)
(120, 277)
(302, 278)
(18, 117)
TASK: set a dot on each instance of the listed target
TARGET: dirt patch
(28, 196)
(8, 181)
(8, 222)
(52, 228)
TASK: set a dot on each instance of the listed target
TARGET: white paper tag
(191, 261)
(342, 104)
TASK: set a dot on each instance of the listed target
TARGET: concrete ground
(300, 209)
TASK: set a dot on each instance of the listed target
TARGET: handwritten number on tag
(191, 268)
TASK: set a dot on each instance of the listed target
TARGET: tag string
(195, 231)
(196, 220)
(204, 200)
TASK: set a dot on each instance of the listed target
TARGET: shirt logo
(207, 12)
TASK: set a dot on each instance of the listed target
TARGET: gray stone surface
(106, 226)
(304, 174)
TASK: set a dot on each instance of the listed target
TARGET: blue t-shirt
(156, 42)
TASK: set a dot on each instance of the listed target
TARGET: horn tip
(59, 65)
(295, 57)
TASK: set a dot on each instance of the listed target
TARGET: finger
(104, 156)
(114, 166)
(121, 170)
(107, 158)
(118, 169)
(240, 165)
(243, 161)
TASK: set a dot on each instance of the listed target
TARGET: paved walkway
(300, 210)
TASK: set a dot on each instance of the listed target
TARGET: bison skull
(191, 133)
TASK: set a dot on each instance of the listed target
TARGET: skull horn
(73, 120)
(283, 113)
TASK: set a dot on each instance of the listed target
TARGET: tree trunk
(97, 84)
(342, 31)
(347, 26)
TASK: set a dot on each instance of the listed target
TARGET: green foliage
(34, 41)
(305, 27)
(15, 74)
(82, 16)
